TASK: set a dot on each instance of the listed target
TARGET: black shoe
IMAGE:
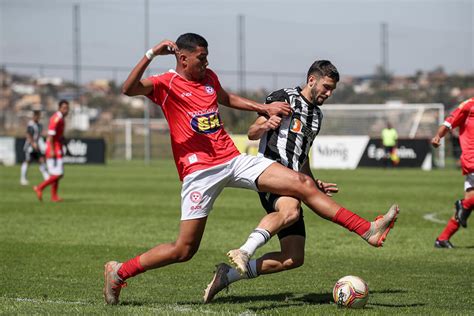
(461, 214)
(443, 244)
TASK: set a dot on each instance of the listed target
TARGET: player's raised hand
(436, 141)
(272, 123)
(326, 187)
(165, 47)
(277, 108)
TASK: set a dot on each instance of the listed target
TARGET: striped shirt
(291, 142)
(34, 129)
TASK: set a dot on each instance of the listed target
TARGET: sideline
(432, 218)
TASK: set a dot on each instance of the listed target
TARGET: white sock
(234, 275)
(44, 171)
(257, 239)
(24, 170)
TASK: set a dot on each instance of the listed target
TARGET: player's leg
(281, 180)
(462, 211)
(56, 170)
(24, 169)
(291, 255)
(285, 211)
(43, 168)
(181, 250)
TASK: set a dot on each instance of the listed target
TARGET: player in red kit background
(462, 117)
(54, 153)
(208, 161)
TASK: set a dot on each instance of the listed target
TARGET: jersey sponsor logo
(208, 123)
(209, 89)
(195, 197)
(186, 94)
(296, 125)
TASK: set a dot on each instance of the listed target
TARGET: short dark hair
(36, 112)
(190, 41)
(63, 102)
(323, 68)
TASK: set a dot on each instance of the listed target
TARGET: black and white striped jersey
(34, 129)
(291, 142)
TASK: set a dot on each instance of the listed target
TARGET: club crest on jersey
(208, 123)
(195, 197)
(209, 89)
(296, 125)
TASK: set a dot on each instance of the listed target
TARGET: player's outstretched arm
(436, 140)
(240, 103)
(262, 125)
(133, 85)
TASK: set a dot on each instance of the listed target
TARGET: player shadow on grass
(285, 298)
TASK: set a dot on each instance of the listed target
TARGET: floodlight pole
(146, 107)
(77, 51)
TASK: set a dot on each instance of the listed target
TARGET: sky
(281, 36)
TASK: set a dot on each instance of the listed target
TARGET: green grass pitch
(52, 255)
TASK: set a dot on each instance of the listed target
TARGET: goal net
(412, 121)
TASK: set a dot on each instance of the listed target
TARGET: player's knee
(306, 185)
(184, 253)
(292, 215)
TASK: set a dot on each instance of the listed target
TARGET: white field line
(173, 307)
(432, 218)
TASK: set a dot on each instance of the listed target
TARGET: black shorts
(268, 201)
(32, 155)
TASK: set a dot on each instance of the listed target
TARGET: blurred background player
(54, 152)
(33, 148)
(462, 117)
(389, 141)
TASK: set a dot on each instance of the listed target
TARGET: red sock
(45, 183)
(54, 189)
(130, 268)
(468, 204)
(351, 221)
(451, 228)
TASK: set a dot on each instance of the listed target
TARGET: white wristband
(149, 54)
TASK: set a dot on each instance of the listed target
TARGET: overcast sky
(281, 36)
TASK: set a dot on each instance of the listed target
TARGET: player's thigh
(284, 181)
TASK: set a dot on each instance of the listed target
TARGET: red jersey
(463, 117)
(56, 130)
(198, 138)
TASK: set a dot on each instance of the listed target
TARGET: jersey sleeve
(30, 130)
(459, 115)
(160, 89)
(53, 125)
(215, 80)
(275, 96)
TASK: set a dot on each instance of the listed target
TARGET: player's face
(322, 89)
(64, 109)
(195, 63)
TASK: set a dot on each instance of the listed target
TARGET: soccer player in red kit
(462, 117)
(208, 161)
(54, 153)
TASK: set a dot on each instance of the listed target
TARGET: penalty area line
(432, 218)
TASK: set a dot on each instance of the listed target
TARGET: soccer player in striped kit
(208, 161)
(288, 141)
(32, 148)
(462, 117)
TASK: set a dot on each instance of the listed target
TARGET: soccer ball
(351, 291)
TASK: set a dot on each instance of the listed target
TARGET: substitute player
(207, 159)
(32, 148)
(54, 152)
(462, 117)
(288, 141)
